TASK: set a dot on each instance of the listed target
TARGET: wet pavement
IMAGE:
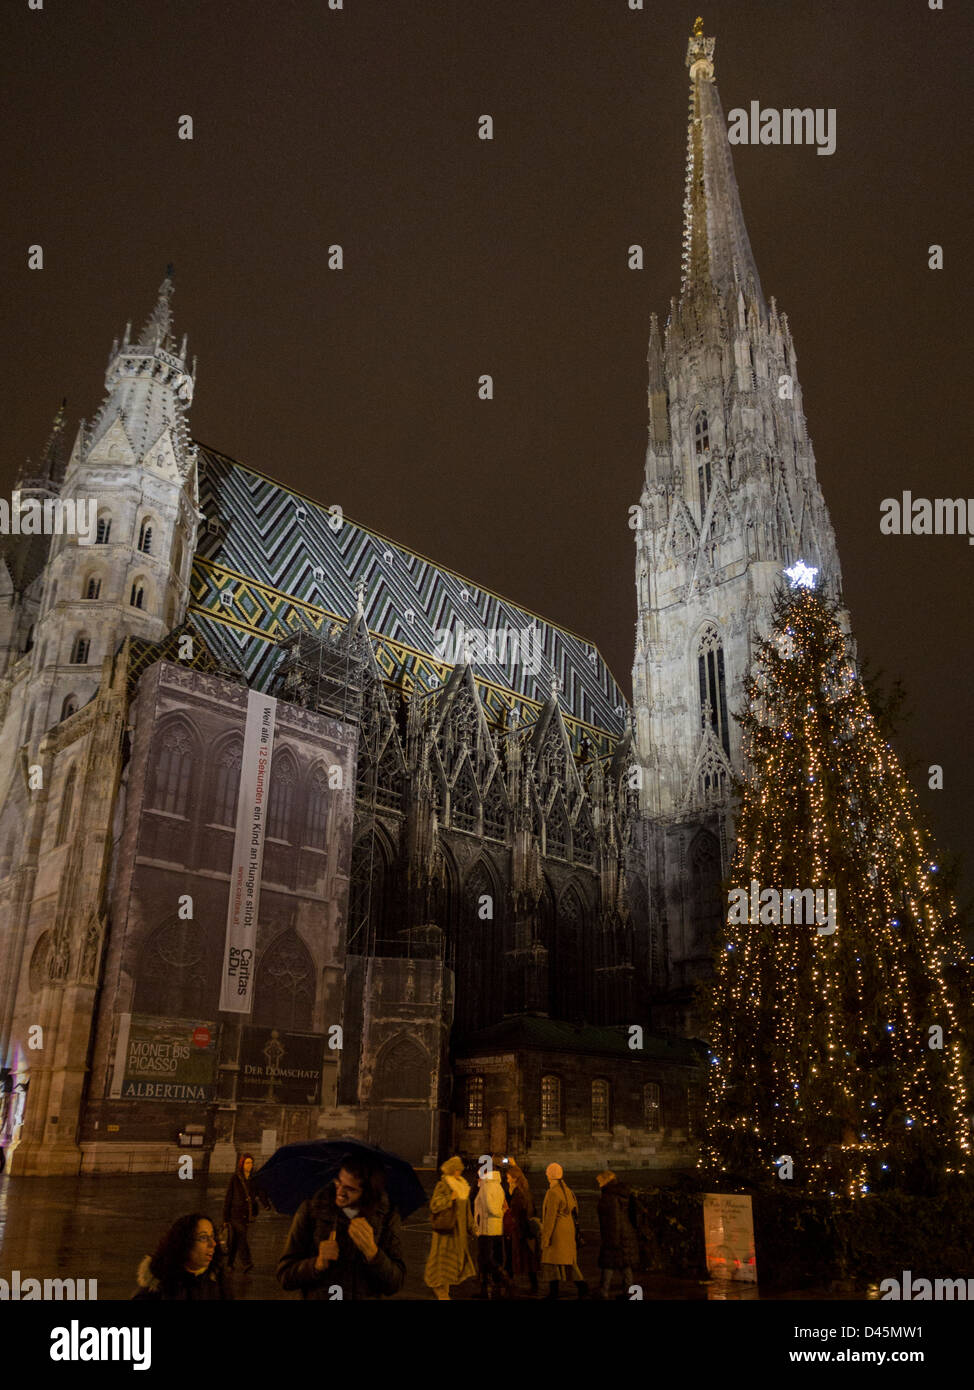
(100, 1227)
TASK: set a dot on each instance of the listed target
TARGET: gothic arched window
(284, 995)
(177, 973)
(80, 649)
(173, 772)
(568, 977)
(280, 803)
(464, 801)
(402, 1072)
(317, 818)
(557, 831)
(701, 434)
(103, 529)
(67, 805)
(93, 587)
(479, 945)
(137, 596)
(495, 810)
(226, 785)
(366, 894)
(39, 959)
(145, 536)
(583, 839)
(69, 707)
(177, 557)
(707, 902)
(713, 686)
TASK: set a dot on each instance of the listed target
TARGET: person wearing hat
(620, 1244)
(559, 1246)
(451, 1252)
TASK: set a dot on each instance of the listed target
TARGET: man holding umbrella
(346, 1235)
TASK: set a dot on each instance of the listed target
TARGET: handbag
(445, 1220)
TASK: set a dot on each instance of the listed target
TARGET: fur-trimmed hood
(144, 1276)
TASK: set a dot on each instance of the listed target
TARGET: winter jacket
(620, 1245)
(212, 1284)
(558, 1245)
(524, 1247)
(451, 1258)
(239, 1205)
(488, 1209)
(316, 1220)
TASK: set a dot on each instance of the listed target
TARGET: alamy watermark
(790, 126)
(790, 907)
(913, 1290)
(499, 646)
(20, 1289)
(918, 516)
(31, 516)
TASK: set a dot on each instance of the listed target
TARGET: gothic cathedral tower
(63, 716)
(730, 498)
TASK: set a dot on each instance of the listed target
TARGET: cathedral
(303, 835)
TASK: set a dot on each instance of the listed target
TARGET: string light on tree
(822, 1042)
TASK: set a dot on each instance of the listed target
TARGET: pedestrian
(188, 1264)
(620, 1244)
(489, 1211)
(239, 1210)
(521, 1246)
(346, 1236)
(451, 1258)
(559, 1243)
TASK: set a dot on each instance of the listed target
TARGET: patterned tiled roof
(278, 562)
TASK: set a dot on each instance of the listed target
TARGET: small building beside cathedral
(303, 835)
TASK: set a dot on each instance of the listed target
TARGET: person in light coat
(559, 1248)
(489, 1209)
(451, 1252)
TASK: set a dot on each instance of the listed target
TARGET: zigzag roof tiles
(269, 561)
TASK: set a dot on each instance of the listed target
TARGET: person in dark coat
(188, 1264)
(239, 1210)
(346, 1235)
(520, 1242)
(620, 1244)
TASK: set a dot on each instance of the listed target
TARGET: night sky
(462, 257)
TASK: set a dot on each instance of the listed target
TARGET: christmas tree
(835, 1029)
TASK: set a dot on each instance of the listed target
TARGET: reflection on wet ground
(101, 1227)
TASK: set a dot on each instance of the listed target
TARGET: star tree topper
(801, 575)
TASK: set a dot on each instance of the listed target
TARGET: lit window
(551, 1102)
(475, 1102)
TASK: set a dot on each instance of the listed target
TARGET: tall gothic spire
(157, 329)
(716, 249)
(149, 385)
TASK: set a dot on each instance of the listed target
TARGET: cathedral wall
(234, 1076)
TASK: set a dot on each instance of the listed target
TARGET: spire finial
(700, 53)
(158, 326)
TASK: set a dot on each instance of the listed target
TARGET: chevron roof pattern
(269, 560)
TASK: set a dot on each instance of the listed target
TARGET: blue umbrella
(297, 1171)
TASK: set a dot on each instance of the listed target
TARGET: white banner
(237, 981)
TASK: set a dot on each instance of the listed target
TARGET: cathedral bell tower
(730, 498)
(135, 466)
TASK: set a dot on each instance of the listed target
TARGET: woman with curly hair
(188, 1264)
